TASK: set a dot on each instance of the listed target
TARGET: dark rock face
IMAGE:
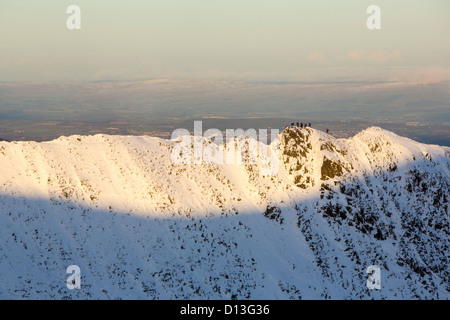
(403, 204)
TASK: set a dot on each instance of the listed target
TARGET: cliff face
(141, 226)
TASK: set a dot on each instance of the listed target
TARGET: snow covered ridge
(141, 226)
(241, 147)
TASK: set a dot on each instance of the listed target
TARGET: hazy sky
(261, 40)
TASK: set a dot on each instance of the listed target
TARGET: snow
(141, 227)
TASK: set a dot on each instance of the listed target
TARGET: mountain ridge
(225, 231)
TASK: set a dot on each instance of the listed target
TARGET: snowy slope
(140, 226)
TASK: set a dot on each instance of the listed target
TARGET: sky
(244, 40)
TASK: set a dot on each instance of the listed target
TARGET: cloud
(22, 60)
(316, 56)
(419, 75)
(356, 55)
(382, 56)
(375, 56)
